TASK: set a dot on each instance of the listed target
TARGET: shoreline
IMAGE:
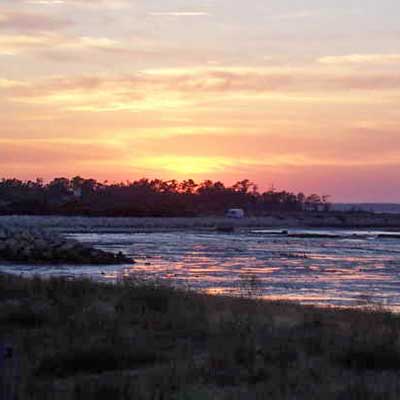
(77, 224)
(279, 249)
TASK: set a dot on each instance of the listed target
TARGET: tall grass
(134, 340)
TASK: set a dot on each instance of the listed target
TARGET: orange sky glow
(296, 94)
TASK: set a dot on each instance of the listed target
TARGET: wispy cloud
(17, 44)
(30, 21)
(45, 2)
(361, 59)
(179, 14)
(149, 90)
(113, 4)
(296, 15)
(9, 83)
(22, 154)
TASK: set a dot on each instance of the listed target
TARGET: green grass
(133, 340)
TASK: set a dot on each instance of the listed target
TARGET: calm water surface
(347, 269)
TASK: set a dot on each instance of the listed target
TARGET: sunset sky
(302, 94)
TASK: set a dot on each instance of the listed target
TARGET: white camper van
(236, 213)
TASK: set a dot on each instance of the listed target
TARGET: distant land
(382, 208)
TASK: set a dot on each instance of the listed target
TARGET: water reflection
(333, 270)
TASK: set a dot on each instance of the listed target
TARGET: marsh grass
(146, 340)
(250, 286)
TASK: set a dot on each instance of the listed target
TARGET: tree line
(144, 197)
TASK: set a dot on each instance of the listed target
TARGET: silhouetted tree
(144, 197)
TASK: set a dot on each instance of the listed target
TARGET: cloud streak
(30, 22)
(45, 2)
(393, 58)
(152, 90)
(179, 14)
(17, 44)
(296, 15)
(111, 4)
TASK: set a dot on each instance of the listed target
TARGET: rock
(26, 236)
(37, 247)
(59, 242)
(40, 244)
(12, 243)
(68, 246)
(27, 253)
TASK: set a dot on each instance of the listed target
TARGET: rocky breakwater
(39, 247)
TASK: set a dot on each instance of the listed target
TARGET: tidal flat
(318, 266)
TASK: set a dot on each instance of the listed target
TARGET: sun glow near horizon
(184, 166)
(299, 100)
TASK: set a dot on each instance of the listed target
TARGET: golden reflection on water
(313, 271)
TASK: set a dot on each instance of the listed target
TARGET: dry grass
(86, 340)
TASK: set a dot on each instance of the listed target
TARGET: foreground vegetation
(83, 340)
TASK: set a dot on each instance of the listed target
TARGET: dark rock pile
(39, 247)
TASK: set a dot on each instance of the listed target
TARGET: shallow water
(348, 269)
